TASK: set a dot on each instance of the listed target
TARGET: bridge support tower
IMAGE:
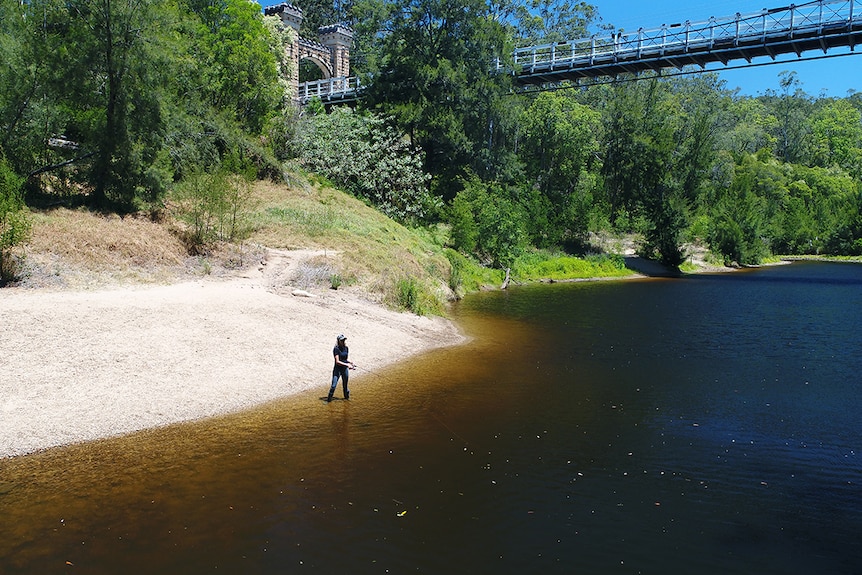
(330, 52)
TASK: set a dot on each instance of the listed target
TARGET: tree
(465, 234)
(317, 13)
(14, 224)
(559, 149)
(545, 21)
(737, 231)
(280, 38)
(17, 87)
(434, 79)
(368, 157)
(818, 201)
(790, 108)
(33, 51)
(486, 215)
(665, 221)
(701, 101)
(114, 94)
(836, 136)
(747, 127)
(637, 153)
(232, 49)
(846, 238)
(368, 19)
(560, 138)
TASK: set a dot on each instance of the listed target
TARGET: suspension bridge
(820, 25)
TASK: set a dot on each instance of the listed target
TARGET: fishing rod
(372, 372)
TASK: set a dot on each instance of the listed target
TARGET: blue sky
(834, 75)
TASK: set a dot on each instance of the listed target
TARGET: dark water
(705, 425)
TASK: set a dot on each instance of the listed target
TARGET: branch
(44, 169)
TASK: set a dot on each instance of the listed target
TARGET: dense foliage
(672, 160)
(122, 101)
(121, 98)
(364, 155)
(14, 224)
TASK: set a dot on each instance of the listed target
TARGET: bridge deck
(819, 25)
(340, 90)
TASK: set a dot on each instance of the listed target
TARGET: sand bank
(83, 365)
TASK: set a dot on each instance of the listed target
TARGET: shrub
(412, 295)
(14, 224)
(407, 292)
(498, 224)
(465, 234)
(363, 154)
(457, 264)
(214, 206)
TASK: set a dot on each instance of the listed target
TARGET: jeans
(344, 375)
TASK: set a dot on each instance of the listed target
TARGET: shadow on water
(845, 273)
(656, 426)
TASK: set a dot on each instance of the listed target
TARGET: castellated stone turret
(290, 15)
(338, 38)
(330, 52)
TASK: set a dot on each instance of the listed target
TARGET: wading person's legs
(333, 386)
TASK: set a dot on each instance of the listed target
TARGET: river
(708, 424)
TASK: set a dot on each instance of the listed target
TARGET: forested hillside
(170, 107)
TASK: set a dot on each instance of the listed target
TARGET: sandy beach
(83, 365)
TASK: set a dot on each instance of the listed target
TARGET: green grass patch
(824, 258)
(543, 266)
(314, 222)
(688, 267)
(771, 260)
(375, 252)
(467, 276)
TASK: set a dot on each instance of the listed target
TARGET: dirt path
(82, 365)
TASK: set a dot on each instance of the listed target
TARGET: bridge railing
(340, 88)
(815, 17)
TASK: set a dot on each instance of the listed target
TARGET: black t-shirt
(342, 356)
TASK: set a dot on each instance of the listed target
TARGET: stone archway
(307, 53)
(330, 53)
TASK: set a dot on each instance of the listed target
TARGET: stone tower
(331, 52)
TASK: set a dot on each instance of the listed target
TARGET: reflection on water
(708, 424)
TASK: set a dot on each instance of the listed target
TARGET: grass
(548, 266)
(688, 267)
(376, 253)
(775, 259)
(78, 248)
(403, 268)
(82, 249)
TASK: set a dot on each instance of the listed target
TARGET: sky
(831, 76)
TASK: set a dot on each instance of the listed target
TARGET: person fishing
(341, 367)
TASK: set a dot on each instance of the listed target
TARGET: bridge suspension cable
(818, 25)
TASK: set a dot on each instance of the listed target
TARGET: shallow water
(709, 424)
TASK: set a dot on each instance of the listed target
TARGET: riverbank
(84, 365)
(115, 329)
